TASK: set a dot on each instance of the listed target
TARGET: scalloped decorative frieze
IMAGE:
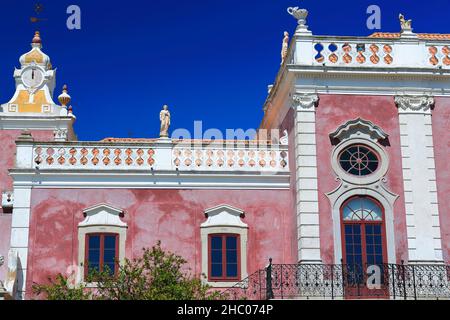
(356, 127)
(414, 104)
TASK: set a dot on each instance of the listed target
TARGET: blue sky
(209, 60)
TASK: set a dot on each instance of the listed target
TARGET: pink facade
(154, 215)
(7, 150)
(332, 111)
(441, 128)
(347, 125)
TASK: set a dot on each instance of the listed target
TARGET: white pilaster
(306, 175)
(421, 202)
(20, 234)
(20, 224)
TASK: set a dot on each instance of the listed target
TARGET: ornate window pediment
(224, 215)
(358, 128)
(102, 214)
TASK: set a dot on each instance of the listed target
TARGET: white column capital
(304, 102)
(414, 104)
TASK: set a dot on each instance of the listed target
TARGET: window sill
(222, 284)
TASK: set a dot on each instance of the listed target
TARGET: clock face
(32, 77)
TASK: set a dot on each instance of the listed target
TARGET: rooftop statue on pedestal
(284, 47)
(164, 117)
(406, 25)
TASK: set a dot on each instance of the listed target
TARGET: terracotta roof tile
(146, 140)
(424, 36)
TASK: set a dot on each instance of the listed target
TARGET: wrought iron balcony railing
(340, 281)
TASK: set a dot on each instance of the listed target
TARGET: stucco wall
(441, 140)
(7, 155)
(333, 111)
(172, 216)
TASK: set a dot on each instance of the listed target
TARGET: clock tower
(31, 109)
(32, 106)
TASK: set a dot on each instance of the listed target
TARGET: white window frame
(224, 219)
(101, 218)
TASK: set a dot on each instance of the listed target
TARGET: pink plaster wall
(288, 124)
(172, 216)
(7, 158)
(441, 140)
(334, 110)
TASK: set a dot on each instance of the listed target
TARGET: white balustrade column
(306, 174)
(419, 175)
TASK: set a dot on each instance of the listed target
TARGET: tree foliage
(156, 275)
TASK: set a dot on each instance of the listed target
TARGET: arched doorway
(363, 245)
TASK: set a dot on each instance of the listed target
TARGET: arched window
(364, 239)
(363, 244)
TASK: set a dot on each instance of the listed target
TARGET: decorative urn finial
(300, 15)
(36, 42)
(64, 97)
(406, 25)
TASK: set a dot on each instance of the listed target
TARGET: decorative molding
(356, 127)
(224, 219)
(60, 134)
(357, 180)
(284, 140)
(376, 190)
(102, 214)
(224, 215)
(305, 101)
(101, 218)
(148, 179)
(415, 104)
(7, 199)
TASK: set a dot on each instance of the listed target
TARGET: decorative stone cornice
(414, 104)
(357, 127)
(304, 101)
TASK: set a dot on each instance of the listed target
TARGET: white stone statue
(164, 117)
(11, 276)
(405, 24)
(284, 47)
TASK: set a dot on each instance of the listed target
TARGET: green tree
(157, 275)
(59, 289)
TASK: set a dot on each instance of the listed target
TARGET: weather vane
(38, 8)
